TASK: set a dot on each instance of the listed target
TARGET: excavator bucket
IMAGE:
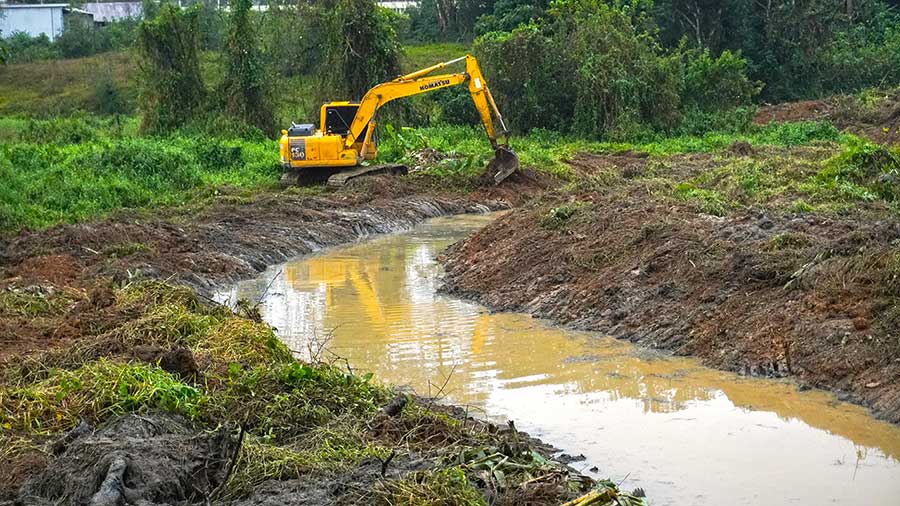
(504, 163)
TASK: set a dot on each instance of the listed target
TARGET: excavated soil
(232, 239)
(879, 122)
(151, 459)
(757, 291)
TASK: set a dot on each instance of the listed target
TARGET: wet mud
(758, 291)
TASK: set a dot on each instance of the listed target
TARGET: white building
(398, 5)
(37, 19)
(106, 12)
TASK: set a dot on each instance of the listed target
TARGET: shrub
(22, 48)
(716, 84)
(107, 96)
(172, 91)
(610, 76)
(78, 39)
(517, 65)
(247, 87)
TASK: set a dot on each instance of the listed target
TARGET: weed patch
(94, 392)
(290, 399)
(861, 171)
(548, 151)
(445, 486)
(707, 201)
(558, 216)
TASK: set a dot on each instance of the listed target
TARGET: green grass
(547, 150)
(94, 392)
(73, 169)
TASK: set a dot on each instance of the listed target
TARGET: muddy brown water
(685, 433)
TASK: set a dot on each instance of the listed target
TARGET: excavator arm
(505, 161)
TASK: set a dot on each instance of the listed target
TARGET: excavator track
(336, 177)
(341, 178)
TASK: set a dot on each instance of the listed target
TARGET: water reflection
(688, 434)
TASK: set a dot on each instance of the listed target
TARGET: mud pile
(760, 290)
(152, 459)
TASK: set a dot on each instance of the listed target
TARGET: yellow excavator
(344, 142)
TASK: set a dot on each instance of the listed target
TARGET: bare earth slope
(762, 289)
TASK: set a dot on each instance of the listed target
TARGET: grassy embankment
(73, 168)
(301, 420)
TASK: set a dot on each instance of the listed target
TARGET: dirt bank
(734, 258)
(875, 116)
(234, 238)
(119, 387)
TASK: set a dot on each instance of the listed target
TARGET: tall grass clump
(94, 392)
(46, 183)
(282, 401)
(861, 171)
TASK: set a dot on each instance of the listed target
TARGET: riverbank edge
(66, 260)
(504, 268)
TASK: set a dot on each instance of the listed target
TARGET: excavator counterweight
(341, 146)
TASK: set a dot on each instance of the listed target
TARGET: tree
(448, 19)
(361, 47)
(171, 88)
(247, 87)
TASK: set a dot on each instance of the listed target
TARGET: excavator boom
(355, 144)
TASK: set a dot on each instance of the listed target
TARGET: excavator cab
(336, 118)
(345, 136)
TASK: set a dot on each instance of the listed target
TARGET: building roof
(113, 11)
(32, 6)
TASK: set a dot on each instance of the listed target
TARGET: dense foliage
(77, 40)
(346, 45)
(172, 90)
(798, 49)
(611, 77)
(362, 49)
(247, 86)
